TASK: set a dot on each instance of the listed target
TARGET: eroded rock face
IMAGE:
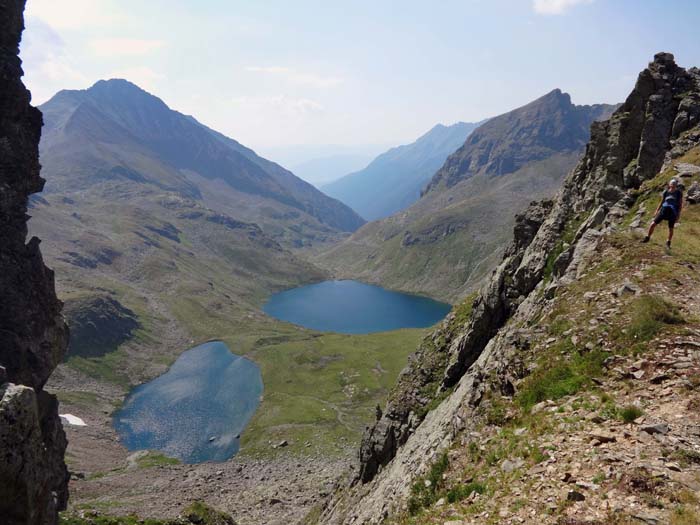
(33, 336)
(659, 121)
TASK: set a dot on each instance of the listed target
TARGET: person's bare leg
(670, 236)
(652, 226)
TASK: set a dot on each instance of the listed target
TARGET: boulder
(693, 193)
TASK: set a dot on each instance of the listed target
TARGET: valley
(444, 244)
(153, 259)
(157, 251)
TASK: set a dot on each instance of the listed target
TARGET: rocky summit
(33, 336)
(480, 374)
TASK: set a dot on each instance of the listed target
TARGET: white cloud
(269, 69)
(75, 14)
(297, 77)
(111, 47)
(556, 7)
(47, 66)
(142, 76)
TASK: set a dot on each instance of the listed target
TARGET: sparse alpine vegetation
(603, 426)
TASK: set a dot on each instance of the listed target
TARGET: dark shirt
(672, 199)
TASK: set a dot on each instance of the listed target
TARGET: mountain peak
(117, 85)
(555, 98)
(119, 90)
(550, 123)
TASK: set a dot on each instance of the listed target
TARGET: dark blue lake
(207, 393)
(352, 307)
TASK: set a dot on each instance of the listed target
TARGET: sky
(284, 76)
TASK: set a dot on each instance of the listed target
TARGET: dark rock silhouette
(33, 336)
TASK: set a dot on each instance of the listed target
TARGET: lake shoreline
(197, 410)
(352, 307)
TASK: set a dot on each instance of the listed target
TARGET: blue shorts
(666, 213)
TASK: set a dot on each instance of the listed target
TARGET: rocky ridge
(506, 143)
(33, 336)
(452, 373)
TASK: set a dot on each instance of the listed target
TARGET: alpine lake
(197, 410)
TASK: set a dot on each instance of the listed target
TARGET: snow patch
(73, 420)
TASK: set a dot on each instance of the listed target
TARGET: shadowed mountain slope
(394, 180)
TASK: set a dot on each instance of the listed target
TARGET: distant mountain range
(394, 180)
(454, 234)
(115, 131)
(324, 170)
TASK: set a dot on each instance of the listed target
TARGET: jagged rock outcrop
(659, 121)
(33, 336)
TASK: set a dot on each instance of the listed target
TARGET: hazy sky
(273, 74)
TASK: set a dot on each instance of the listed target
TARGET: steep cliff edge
(485, 349)
(33, 336)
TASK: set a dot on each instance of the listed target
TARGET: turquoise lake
(352, 307)
(196, 410)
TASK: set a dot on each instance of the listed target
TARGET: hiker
(669, 209)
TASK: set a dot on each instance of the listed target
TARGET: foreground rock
(33, 336)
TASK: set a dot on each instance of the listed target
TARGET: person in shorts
(669, 209)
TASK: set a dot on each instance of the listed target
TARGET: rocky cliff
(479, 352)
(33, 336)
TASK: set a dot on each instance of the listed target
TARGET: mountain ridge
(448, 240)
(529, 347)
(395, 178)
(496, 148)
(103, 125)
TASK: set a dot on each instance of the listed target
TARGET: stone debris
(574, 495)
(685, 169)
(660, 428)
(628, 288)
(693, 193)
